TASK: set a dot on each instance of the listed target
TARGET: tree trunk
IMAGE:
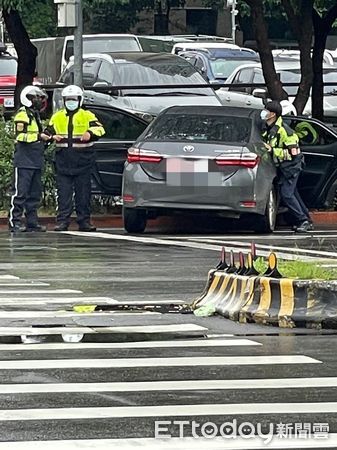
(162, 20)
(317, 61)
(274, 86)
(26, 51)
(322, 28)
(301, 25)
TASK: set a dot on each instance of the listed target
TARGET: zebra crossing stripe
(142, 344)
(110, 412)
(38, 331)
(184, 385)
(38, 291)
(218, 443)
(154, 362)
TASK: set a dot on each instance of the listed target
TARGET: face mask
(71, 105)
(37, 104)
(264, 114)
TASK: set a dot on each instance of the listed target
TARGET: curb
(285, 302)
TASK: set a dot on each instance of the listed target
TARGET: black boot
(61, 227)
(304, 227)
(36, 228)
(87, 227)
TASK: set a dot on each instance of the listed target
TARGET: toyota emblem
(188, 148)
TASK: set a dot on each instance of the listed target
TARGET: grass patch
(302, 270)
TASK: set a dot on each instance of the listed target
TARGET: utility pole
(231, 4)
(78, 46)
(70, 14)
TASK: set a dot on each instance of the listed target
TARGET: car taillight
(136, 155)
(249, 160)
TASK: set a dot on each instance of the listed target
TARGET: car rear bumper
(234, 197)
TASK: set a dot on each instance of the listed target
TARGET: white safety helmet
(73, 91)
(288, 109)
(30, 92)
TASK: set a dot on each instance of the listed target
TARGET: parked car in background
(54, 53)
(213, 161)
(8, 71)
(218, 64)
(144, 71)
(185, 46)
(289, 72)
(296, 54)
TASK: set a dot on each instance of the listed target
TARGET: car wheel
(134, 220)
(267, 223)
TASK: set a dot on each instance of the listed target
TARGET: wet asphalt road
(62, 392)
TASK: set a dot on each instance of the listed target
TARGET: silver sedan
(207, 160)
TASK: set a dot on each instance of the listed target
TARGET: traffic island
(242, 293)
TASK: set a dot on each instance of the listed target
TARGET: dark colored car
(318, 183)
(142, 71)
(217, 65)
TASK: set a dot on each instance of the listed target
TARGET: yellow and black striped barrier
(239, 293)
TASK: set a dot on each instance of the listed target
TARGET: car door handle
(228, 99)
(248, 102)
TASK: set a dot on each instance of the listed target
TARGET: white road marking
(9, 277)
(246, 246)
(186, 385)
(218, 443)
(36, 331)
(186, 244)
(24, 301)
(69, 314)
(194, 361)
(228, 409)
(142, 344)
(22, 283)
(38, 291)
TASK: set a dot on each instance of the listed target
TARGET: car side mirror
(101, 84)
(260, 93)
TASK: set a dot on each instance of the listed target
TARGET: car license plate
(180, 165)
(9, 102)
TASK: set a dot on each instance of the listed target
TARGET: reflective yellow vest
(281, 141)
(305, 130)
(26, 126)
(72, 130)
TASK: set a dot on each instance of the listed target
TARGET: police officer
(28, 161)
(282, 142)
(74, 130)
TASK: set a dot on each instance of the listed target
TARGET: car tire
(267, 222)
(134, 220)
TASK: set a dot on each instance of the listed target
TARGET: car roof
(223, 53)
(135, 56)
(196, 45)
(211, 110)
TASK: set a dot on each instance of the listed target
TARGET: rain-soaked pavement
(108, 390)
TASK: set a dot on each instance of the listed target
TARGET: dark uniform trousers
(26, 196)
(73, 179)
(289, 173)
(69, 186)
(292, 198)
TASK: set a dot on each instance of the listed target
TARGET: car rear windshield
(202, 128)
(105, 45)
(222, 68)
(8, 66)
(294, 76)
(152, 73)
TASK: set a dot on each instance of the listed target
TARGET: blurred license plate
(9, 102)
(179, 165)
